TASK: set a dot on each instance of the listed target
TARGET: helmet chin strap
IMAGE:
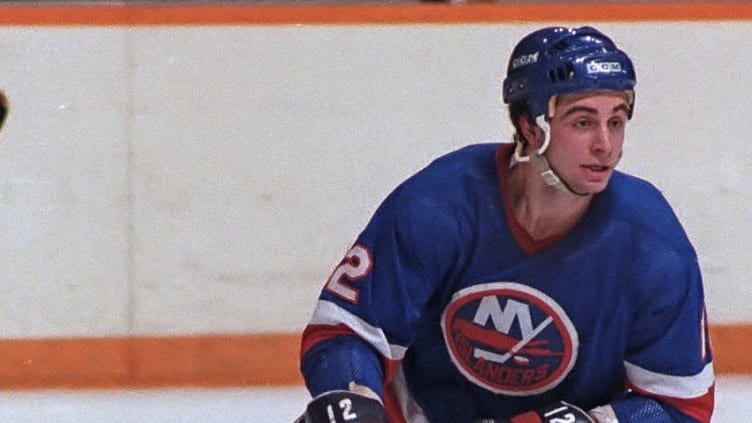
(538, 160)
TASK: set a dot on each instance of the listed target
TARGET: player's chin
(594, 182)
(590, 187)
(594, 187)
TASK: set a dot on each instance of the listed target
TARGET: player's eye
(616, 123)
(582, 123)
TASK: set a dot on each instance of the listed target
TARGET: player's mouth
(597, 168)
(597, 172)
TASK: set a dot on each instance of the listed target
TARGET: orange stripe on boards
(215, 361)
(732, 353)
(229, 14)
(264, 359)
(71, 363)
(211, 361)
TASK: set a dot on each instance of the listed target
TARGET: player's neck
(543, 211)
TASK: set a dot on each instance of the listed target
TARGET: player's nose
(604, 140)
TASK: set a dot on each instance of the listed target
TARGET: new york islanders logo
(509, 338)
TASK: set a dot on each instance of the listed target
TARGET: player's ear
(531, 131)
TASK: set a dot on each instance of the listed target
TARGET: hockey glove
(343, 407)
(553, 413)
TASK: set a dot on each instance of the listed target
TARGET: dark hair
(518, 109)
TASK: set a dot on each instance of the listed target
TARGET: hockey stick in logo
(503, 358)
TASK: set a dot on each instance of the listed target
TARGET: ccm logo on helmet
(604, 67)
(524, 60)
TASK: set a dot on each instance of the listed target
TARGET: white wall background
(179, 180)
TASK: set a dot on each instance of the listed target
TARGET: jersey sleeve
(370, 305)
(668, 362)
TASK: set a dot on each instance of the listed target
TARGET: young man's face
(587, 135)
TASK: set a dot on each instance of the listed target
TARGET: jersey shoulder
(643, 207)
(439, 205)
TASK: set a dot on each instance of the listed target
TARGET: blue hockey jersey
(451, 312)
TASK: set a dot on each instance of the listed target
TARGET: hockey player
(521, 282)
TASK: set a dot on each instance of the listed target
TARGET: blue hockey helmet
(558, 60)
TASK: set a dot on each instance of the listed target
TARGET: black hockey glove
(552, 413)
(343, 407)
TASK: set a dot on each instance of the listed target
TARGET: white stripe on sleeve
(685, 387)
(329, 313)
